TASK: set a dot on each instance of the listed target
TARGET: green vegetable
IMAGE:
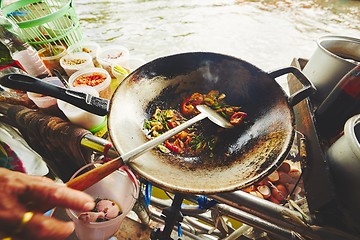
(120, 70)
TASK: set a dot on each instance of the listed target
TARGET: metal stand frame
(172, 215)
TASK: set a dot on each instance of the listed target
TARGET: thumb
(43, 228)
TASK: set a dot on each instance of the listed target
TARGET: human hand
(21, 193)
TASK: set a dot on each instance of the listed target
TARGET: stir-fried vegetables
(193, 140)
(216, 101)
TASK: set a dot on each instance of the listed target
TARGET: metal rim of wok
(244, 156)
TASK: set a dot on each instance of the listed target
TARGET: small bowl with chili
(95, 77)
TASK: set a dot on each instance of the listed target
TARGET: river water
(266, 33)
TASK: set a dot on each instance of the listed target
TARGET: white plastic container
(86, 46)
(43, 101)
(30, 61)
(344, 161)
(76, 61)
(103, 88)
(117, 187)
(110, 55)
(79, 116)
(119, 72)
(130, 63)
(52, 61)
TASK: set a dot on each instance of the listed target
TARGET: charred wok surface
(242, 155)
(225, 153)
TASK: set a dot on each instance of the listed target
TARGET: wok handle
(84, 101)
(308, 87)
(98, 144)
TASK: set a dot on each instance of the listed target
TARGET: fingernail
(89, 205)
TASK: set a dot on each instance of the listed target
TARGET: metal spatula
(91, 177)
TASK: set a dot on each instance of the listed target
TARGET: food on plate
(256, 194)
(279, 192)
(104, 210)
(75, 61)
(115, 55)
(91, 79)
(216, 101)
(274, 176)
(279, 184)
(194, 140)
(86, 50)
(264, 190)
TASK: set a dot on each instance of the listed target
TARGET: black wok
(243, 156)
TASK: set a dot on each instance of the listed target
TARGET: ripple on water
(267, 33)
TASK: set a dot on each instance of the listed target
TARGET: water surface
(268, 33)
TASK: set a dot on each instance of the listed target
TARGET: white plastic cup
(71, 62)
(104, 88)
(117, 187)
(30, 61)
(130, 63)
(110, 55)
(79, 116)
(41, 100)
(119, 72)
(125, 66)
(52, 62)
(86, 46)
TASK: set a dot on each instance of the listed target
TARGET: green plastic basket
(45, 22)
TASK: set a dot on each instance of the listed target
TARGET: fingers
(49, 195)
(41, 227)
(20, 193)
(40, 193)
(40, 179)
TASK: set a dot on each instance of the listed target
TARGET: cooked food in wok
(193, 140)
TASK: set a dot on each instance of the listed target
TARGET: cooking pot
(333, 58)
(242, 156)
(344, 160)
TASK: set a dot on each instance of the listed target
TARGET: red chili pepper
(188, 140)
(237, 118)
(173, 147)
(172, 124)
(196, 99)
(188, 105)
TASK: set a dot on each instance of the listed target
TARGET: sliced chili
(188, 105)
(237, 118)
(173, 147)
